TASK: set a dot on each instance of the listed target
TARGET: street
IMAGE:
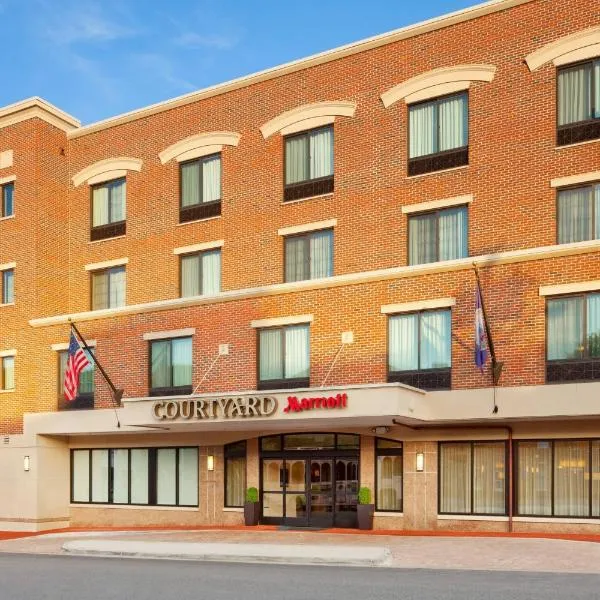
(28, 577)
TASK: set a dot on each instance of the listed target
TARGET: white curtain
(166, 476)
(120, 469)
(597, 199)
(181, 354)
(455, 478)
(403, 343)
(99, 475)
(489, 478)
(81, 475)
(190, 184)
(596, 478)
(535, 477)
(161, 364)
(139, 476)
(236, 481)
(211, 272)
(454, 120)
(565, 328)
(190, 275)
(321, 153)
(423, 127)
(117, 201)
(597, 89)
(575, 215)
(8, 286)
(321, 254)
(8, 372)
(188, 476)
(116, 287)
(100, 206)
(297, 361)
(593, 325)
(296, 258)
(422, 239)
(436, 341)
(296, 166)
(100, 290)
(270, 359)
(211, 179)
(453, 233)
(389, 483)
(571, 479)
(574, 95)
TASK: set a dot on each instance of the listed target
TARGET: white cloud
(194, 40)
(157, 66)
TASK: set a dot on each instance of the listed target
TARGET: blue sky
(99, 58)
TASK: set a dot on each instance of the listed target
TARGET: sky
(99, 58)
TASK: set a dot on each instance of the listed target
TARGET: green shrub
(252, 494)
(364, 495)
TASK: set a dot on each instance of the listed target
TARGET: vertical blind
(576, 208)
(108, 288)
(8, 373)
(7, 200)
(8, 286)
(309, 156)
(438, 126)
(420, 341)
(201, 274)
(108, 203)
(579, 93)
(201, 181)
(171, 363)
(284, 353)
(309, 256)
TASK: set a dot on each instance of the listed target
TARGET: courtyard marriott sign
(215, 408)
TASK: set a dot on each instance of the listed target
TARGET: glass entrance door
(346, 492)
(321, 492)
(284, 491)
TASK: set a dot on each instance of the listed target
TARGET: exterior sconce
(380, 430)
(420, 462)
(26, 463)
(210, 462)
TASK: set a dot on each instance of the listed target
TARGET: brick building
(279, 272)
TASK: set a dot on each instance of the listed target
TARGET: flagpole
(117, 394)
(496, 366)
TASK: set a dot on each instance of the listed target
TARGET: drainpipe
(506, 428)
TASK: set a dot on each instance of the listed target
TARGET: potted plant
(365, 510)
(251, 507)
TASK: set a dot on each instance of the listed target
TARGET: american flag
(481, 351)
(77, 361)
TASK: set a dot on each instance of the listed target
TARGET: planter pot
(364, 513)
(251, 513)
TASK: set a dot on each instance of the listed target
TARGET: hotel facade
(279, 272)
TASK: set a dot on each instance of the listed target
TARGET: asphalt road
(28, 577)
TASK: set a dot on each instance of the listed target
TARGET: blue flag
(481, 351)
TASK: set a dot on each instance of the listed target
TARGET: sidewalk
(309, 547)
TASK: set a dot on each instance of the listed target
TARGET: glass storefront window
(235, 474)
(389, 475)
(306, 441)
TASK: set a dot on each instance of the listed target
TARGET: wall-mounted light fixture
(210, 462)
(26, 463)
(420, 462)
(380, 430)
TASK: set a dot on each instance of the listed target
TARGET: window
(85, 391)
(201, 274)
(108, 288)
(7, 373)
(108, 210)
(472, 478)
(558, 478)
(309, 164)
(235, 474)
(150, 476)
(419, 352)
(389, 475)
(171, 367)
(284, 360)
(579, 103)
(7, 208)
(579, 214)
(438, 134)
(439, 235)
(8, 286)
(309, 256)
(573, 338)
(200, 188)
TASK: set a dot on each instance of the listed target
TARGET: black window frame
(472, 444)
(201, 210)
(4, 300)
(3, 191)
(172, 390)
(310, 187)
(580, 131)
(198, 254)
(426, 379)
(82, 401)
(572, 370)
(441, 160)
(388, 452)
(306, 238)
(435, 213)
(110, 229)
(234, 450)
(107, 270)
(285, 383)
(2, 382)
(152, 476)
